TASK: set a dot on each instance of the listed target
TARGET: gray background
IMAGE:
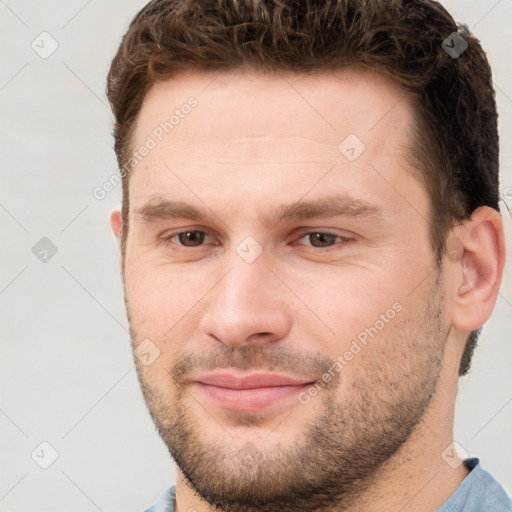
(67, 376)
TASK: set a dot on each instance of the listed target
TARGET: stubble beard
(338, 454)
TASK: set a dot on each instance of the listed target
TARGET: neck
(419, 478)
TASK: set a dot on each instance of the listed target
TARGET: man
(311, 241)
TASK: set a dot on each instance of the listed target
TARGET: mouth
(249, 393)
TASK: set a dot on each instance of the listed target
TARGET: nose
(247, 306)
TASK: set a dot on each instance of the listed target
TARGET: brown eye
(322, 239)
(191, 238)
(325, 240)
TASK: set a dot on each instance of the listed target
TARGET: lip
(248, 393)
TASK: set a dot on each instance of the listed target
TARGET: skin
(295, 307)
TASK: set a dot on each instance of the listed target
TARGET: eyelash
(166, 239)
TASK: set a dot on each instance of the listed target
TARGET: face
(288, 326)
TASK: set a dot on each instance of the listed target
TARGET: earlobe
(481, 264)
(116, 223)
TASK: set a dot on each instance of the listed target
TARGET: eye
(325, 240)
(191, 238)
(195, 238)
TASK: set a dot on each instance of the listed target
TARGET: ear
(116, 222)
(479, 253)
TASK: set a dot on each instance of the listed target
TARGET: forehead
(261, 132)
(320, 108)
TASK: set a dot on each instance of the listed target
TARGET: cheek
(379, 326)
(348, 303)
(164, 306)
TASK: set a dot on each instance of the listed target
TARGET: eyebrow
(324, 207)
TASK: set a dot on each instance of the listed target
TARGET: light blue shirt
(478, 492)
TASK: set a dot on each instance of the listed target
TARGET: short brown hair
(454, 145)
